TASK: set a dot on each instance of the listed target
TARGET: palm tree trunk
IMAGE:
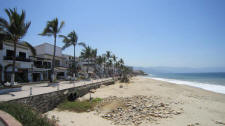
(104, 69)
(14, 63)
(113, 71)
(74, 61)
(53, 61)
(88, 68)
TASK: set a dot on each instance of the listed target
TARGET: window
(38, 64)
(57, 63)
(9, 53)
(49, 64)
(22, 54)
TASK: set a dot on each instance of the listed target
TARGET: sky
(145, 33)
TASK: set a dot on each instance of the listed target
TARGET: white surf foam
(210, 87)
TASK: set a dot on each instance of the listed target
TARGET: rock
(197, 124)
(137, 109)
(220, 122)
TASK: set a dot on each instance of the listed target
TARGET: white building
(23, 65)
(45, 54)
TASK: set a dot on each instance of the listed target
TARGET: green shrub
(79, 106)
(25, 115)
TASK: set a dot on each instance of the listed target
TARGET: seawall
(48, 101)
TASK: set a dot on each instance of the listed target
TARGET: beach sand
(199, 107)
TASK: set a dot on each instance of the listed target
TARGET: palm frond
(3, 23)
(82, 44)
(66, 45)
(61, 26)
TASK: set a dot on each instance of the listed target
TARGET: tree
(104, 62)
(121, 64)
(94, 56)
(109, 64)
(114, 63)
(13, 31)
(52, 29)
(99, 61)
(108, 56)
(86, 53)
(70, 40)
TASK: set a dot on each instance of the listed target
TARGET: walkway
(44, 88)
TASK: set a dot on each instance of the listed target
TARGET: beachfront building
(69, 63)
(23, 67)
(43, 62)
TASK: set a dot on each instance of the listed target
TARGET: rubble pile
(135, 110)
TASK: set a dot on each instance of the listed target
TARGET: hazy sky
(178, 33)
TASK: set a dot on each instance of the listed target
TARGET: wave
(210, 87)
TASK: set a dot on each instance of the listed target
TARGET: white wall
(47, 48)
(19, 48)
(21, 64)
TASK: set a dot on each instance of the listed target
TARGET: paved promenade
(44, 88)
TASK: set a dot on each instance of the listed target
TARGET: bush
(79, 106)
(25, 115)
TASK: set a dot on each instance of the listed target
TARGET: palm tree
(94, 56)
(108, 56)
(121, 61)
(114, 62)
(52, 29)
(14, 30)
(104, 62)
(121, 64)
(70, 39)
(86, 53)
(109, 64)
(99, 61)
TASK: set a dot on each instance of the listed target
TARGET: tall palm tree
(121, 64)
(109, 64)
(94, 56)
(121, 61)
(71, 40)
(114, 63)
(108, 55)
(52, 29)
(14, 30)
(86, 53)
(104, 62)
(99, 61)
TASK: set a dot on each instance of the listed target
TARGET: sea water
(209, 81)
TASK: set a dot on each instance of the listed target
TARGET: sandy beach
(197, 106)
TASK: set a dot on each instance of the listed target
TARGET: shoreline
(216, 88)
(200, 107)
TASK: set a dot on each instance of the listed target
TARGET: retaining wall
(48, 101)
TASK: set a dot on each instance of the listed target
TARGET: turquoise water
(209, 81)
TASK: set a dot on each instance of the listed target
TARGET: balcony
(42, 66)
(23, 59)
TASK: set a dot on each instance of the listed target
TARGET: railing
(18, 59)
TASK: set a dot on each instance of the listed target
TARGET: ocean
(209, 81)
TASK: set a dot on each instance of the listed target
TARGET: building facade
(43, 62)
(23, 65)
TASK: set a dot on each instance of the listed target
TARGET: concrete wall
(48, 101)
(47, 48)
